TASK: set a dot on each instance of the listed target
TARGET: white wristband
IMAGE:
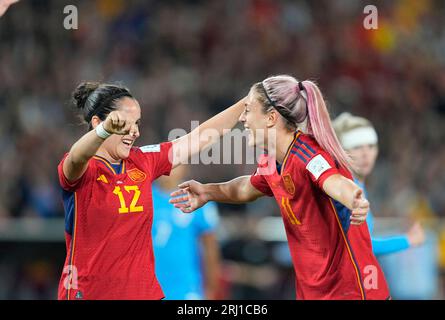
(101, 132)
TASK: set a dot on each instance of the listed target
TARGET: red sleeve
(74, 185)
(258, 179)
(159, 158)
(260, 183)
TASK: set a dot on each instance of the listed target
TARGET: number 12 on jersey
(133, 205)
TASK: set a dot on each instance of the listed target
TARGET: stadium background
(186, 60)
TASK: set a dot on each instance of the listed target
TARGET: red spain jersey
(108, 220)
(332, 259)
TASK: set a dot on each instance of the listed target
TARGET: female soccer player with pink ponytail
(305, 169)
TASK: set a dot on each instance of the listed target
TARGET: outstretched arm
(349, 194)
(386, 245)
(193, 195)
(206, 134)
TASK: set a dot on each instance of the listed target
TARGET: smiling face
(118, 146)
(255, 121)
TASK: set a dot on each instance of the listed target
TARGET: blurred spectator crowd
(187, 60)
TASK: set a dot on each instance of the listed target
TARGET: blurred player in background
(4, 5)
(307, 173)
(185, 240)
(108, 198)
(359, 138)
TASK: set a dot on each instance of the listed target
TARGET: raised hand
(416, 235)
(190, 196)
(118, 123)
(360, 208)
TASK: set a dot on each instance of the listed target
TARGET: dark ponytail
(97, 99)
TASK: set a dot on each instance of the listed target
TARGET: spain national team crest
(102, 178)
(289, 184)
(136, 175)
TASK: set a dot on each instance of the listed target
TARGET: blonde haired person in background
(359, 138)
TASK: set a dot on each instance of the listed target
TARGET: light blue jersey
(383, 245)
(176, 244)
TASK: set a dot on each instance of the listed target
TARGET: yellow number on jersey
(133, 205)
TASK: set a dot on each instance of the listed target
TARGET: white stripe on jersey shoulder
(317, 166)
(151, 148)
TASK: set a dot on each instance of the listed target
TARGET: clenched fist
(117, 122)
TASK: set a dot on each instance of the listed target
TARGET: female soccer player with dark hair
(306, 171)
(108, 199)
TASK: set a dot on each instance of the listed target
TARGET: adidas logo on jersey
(102, 178)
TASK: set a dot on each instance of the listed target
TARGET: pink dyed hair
(296, 105)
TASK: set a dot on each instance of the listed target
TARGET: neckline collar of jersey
(283, 165)
(108, 164)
